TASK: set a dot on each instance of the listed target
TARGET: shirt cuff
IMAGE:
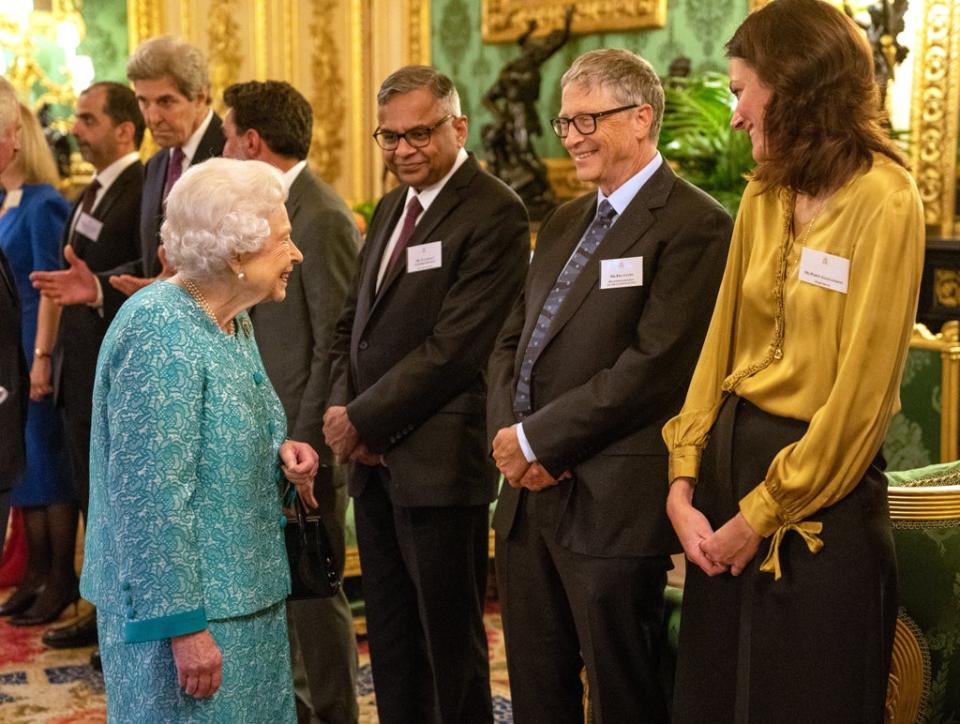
(97, 304)
(761, 511)
(528, 452)
(684, 462)
(165, 627)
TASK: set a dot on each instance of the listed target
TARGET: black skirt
(812, 647)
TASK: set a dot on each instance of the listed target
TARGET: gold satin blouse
(801, 351)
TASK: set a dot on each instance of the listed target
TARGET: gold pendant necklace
(204, 305)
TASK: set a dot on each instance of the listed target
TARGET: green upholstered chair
(925, 431)
(925, 672)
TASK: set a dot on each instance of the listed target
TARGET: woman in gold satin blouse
(776, 490)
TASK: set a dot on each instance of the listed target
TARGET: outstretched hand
(74, 285)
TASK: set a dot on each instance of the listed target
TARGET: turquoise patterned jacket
(185, 524)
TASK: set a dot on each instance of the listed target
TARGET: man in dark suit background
(444, 258)
(271, 122)
(172, 87)
(14, 378)
(594, 358)
(103, 232)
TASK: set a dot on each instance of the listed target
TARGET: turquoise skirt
(257, 687)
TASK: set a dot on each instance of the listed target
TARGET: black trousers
(424, 580)
(812, 647)
(563, 610)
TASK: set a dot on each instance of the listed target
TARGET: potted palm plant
(697, 139)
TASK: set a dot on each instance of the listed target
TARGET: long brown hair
(821, 125)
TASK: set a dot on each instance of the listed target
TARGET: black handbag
(313, 572)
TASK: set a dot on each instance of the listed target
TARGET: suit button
(131, 612)
(271, 427)
(128, 600)
(283, 521)
(258, 377)
(125, 586)
(363, 344)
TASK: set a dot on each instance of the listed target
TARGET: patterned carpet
(44, 686)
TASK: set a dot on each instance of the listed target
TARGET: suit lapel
(554, 258)
(392, 210)
(627, 231)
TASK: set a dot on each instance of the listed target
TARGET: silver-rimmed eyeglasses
(585, 123)
(417, 137)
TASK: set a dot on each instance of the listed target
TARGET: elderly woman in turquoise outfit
(185, 558)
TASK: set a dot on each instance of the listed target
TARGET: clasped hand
(344, 439)
(511, 461)
(731, 548)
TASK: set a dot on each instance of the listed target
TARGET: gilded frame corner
(503, 21)
(934, 115)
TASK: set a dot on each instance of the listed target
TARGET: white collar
(290, 175)
(621, 198)
(190, 147)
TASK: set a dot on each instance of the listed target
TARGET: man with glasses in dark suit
(594, 358)
(443, 260)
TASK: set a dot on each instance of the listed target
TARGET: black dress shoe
(20, 601)
(80, 632)
(95, 661)
(47, 609)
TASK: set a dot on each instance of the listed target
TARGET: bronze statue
(886, 23)
(513, 102)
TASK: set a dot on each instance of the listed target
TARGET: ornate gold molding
(223, 39)
(933, 125)
(260, 39)
(327, 101)
(144, 20)
(946, 287)
(418, 31)
(504, 20)
(909, 668)
(947, 343)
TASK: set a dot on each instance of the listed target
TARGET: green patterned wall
(695, 28)
(106, 41)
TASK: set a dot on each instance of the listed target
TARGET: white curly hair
(218, 210)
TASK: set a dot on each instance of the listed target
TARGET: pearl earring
(240, 275)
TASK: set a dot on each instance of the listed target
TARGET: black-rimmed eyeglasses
(585, 123)
(417, 137)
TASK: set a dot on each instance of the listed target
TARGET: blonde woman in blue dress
(185, 558)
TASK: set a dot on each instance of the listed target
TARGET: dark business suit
(14, 378)
(592, 551)
(294, 339)
(151, 214)
(81, 327)
(408, 362)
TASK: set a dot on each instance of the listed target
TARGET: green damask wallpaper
(106, 41)
(695, 28)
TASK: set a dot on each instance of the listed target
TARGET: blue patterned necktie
(581, 255)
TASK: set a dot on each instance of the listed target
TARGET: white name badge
(13, 198)
(619, 273)
(88, 226)
(423, 256)
(824, 270)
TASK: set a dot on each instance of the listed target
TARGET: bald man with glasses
(594, 358)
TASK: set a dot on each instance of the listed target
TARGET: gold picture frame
(503, 21)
